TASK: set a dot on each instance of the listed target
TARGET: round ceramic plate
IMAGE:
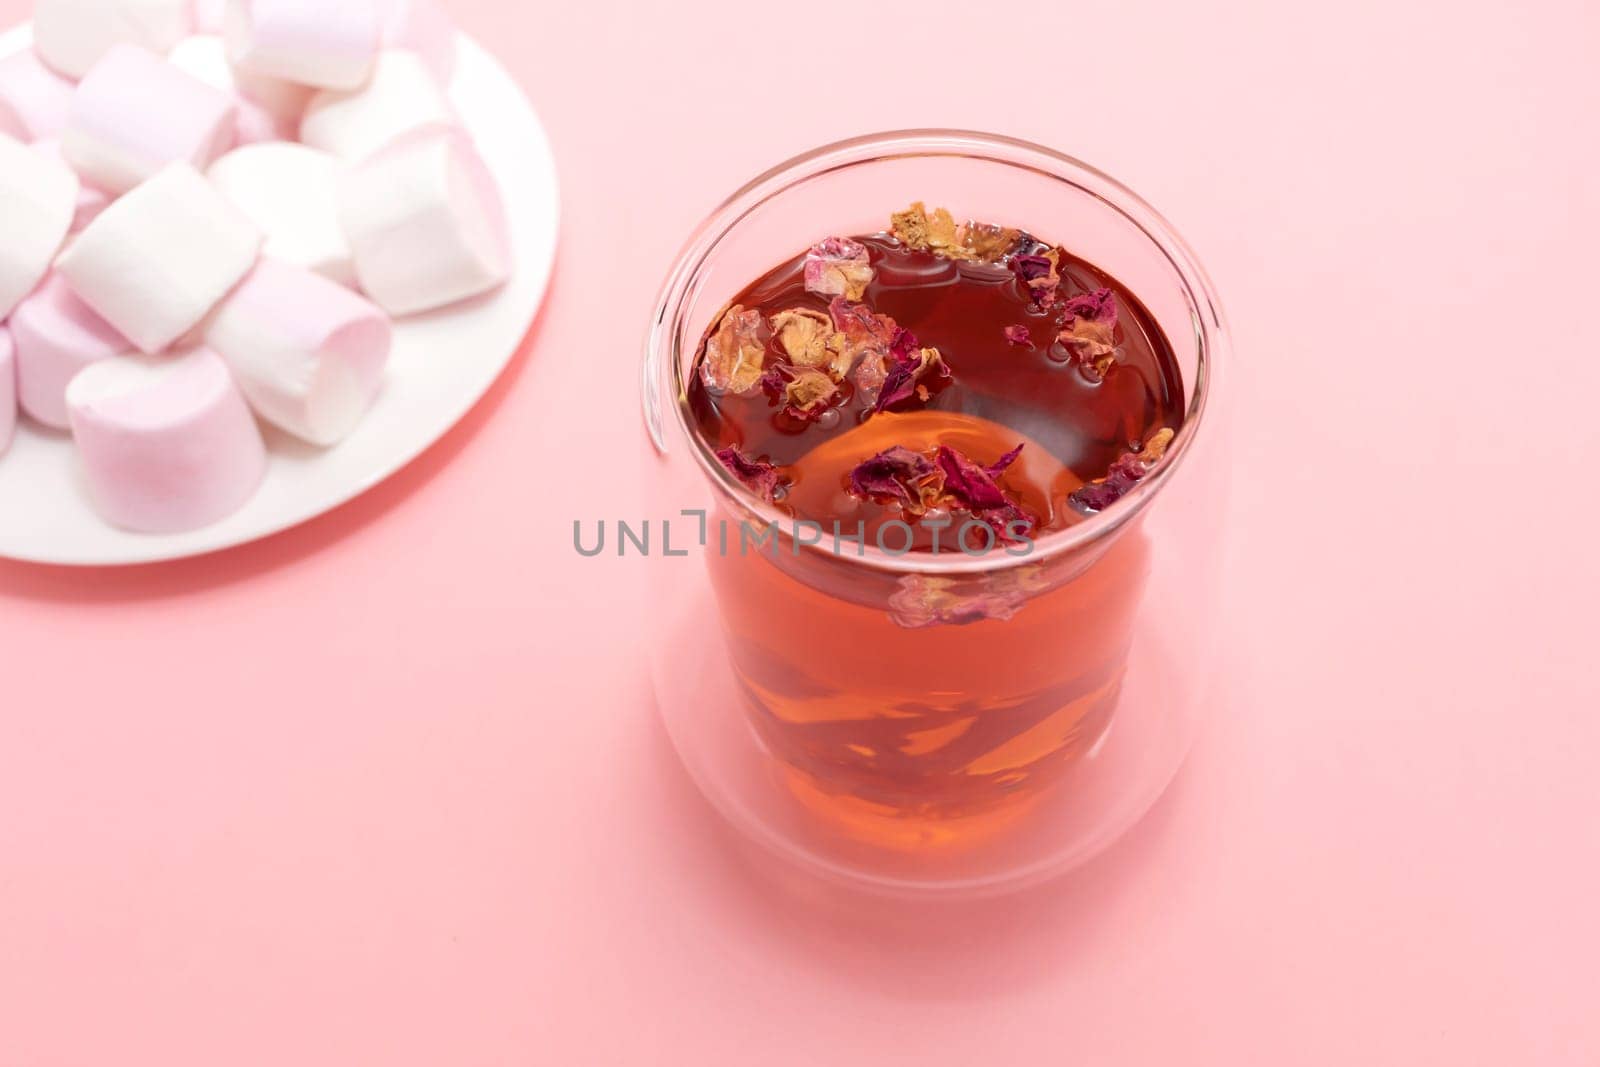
(442, 363)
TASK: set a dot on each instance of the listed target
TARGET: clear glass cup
(946, 724)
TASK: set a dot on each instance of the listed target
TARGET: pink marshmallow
(8, 390)
(34, 100)
(167, 442)
(203, 57)
(161, 257)
(91, 201)
(425, 222)
(56, 336)
(307, 352)
(421, 26)
(134, 114)
(71, 36)
(312, 42)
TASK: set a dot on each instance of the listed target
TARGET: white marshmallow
(38, 198)
(8, 390)
(72, 35)
(289, 192)
(312, 42)
(424, 28)
(167, 443)
(133, 114)
(34, 99)
(425, 222)
(307, 353)
(91, 201)
(57, 335)
(160, 258)
(402, 96)
(203, 57)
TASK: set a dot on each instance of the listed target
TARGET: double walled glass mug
(912, 722)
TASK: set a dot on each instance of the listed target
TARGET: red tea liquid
(916, 710)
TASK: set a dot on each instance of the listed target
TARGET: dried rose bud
(1089, 330)
(809, 340)
(1127, 471)
(1039, 274)
(894, 475)
(757, 475)
(735, 352)
(1019, 336)
(838, 266)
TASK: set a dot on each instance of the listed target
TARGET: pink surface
(388, 789)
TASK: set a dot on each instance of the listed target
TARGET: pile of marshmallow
(209, 213)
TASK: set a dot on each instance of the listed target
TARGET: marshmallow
(421, 26)
(134, 114)
(288, 192)
(307, 353)
(160, 258)
(402, 96)
(34, 99)
(8, 390)
(425, 222)
(91, 201)
(38, 198)
(256, 121)
(313, 42)
(57, 335)
(167, 442)
(72, 35)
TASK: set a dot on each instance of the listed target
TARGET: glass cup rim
(1206, 316)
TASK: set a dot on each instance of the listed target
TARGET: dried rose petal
(998, 467)
(804, 392)
(867, 337)
(734, 353)
(1019, 336)
(972, 486)
(1038, 271)
(980, 242)
(757, 475)
(907, 366)
(894, 475)
(917, 230)
(923, 601)
(1089, 330)
(838, 266)
(807, 337)
(1128, 471)
(986, 242)
(809, 394)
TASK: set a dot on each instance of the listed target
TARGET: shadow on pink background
(388, 789)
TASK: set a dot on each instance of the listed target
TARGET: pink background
(388, 789)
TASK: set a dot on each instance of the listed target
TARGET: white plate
(441, 365)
